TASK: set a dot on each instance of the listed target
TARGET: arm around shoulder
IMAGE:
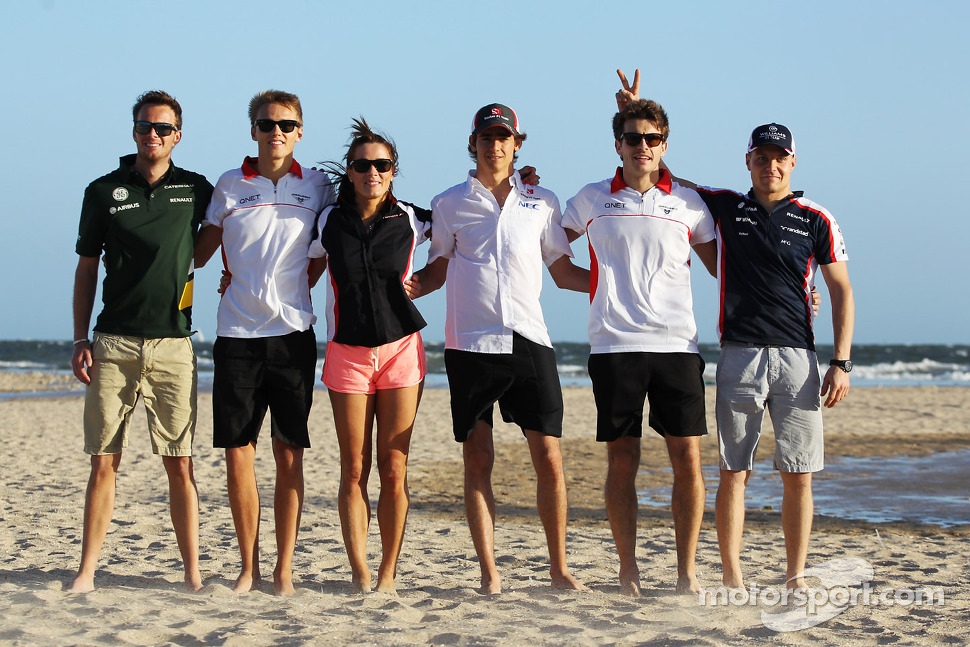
(427, 279)
(569, 276)
(707, 252)
(206, 244)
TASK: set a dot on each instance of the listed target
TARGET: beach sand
(140, 601)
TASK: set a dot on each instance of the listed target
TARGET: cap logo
(773, 129)
(497, 112)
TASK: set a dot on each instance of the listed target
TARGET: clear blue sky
(875, 92)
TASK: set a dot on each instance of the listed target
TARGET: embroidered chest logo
(120, 194)
(301, 198)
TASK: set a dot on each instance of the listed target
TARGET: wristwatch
(844, 364)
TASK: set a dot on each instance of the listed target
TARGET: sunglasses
(161, 129)
(363, 165)
(634, 139)
(286, 125)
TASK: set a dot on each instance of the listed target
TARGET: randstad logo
(842, 583)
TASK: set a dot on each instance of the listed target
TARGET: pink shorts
(360, 369)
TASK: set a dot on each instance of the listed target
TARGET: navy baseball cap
(495, 114)
(773, 134)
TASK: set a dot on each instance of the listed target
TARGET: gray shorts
(786, 382)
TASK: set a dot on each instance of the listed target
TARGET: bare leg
(287, 510)
(621, 508)
(552, 505)
(396, 410)
(478, 452)
(687, 507)
(184, 505)
(797, 510)
(244, 503)
(99, 503)
(353, 416)
(729, 513)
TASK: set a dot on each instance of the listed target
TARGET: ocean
(874, 364)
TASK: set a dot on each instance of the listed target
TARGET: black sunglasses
(286, 125)
(363, 165)
(161, 129)
(634, 139)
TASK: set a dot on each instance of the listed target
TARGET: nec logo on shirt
(614, 205)
(529, 205)
(248, 199)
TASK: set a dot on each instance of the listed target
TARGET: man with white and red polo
(641, 226)
(263, 214)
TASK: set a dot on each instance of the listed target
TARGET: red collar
(249, 168)
(665, 184)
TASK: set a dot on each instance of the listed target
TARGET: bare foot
(568, 582)
(491, 586)
(631, 588)
(688, 585)
(283, 586)
(387, 588)
(797, 583)
(630, 583)
(732, 582)
(193, 582)
(245, 582)
(362, 583)
(82, 584)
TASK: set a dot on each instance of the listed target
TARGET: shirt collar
(249, 168)
(126, 163)
(472, 184)
(665, 184)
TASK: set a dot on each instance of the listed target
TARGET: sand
(139, 599)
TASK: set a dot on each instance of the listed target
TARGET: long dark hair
(361, 133)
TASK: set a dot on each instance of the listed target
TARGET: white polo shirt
(266, 232)
(639, 248)
(496, 257)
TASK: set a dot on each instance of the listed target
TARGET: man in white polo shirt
(641, 226)
(263, 214)
(491, 236)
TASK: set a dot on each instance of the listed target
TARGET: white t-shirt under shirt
(266, 232)
(496, 258)
(639, 247)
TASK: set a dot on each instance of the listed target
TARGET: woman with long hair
(375, 364)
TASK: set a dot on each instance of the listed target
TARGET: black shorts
(524, 383)
(673, 383)
(252, 375)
